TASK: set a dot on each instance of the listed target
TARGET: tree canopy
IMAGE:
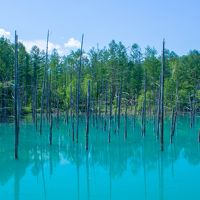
(114, 64)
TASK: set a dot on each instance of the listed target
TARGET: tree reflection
(116, 158)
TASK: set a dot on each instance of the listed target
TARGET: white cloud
(4, 33)
(72, 44)
(62, 49)
(41, 44)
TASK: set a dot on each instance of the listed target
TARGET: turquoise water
(124, 169)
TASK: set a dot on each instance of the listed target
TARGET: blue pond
(124, 169)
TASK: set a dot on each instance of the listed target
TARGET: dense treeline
(113, 71)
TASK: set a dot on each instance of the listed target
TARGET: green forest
(114, 68)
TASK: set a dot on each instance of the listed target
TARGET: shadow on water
(129, 168)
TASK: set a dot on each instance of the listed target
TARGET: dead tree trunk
(106, 107)
(154, 108)
(99, 117)
(71, 112)
(174, 115)
(134, 112)
(44, 84)
(125, 123)
(57, 112)
(36, 104)
(158, 113)
(34, 94)
(172, 125)
(87, 116)
(119, 107)
(192, 110)
(93, 109)
(144, 109)
(78, 90)
(162, 99)
(97, 104)
(66, 114)
(110, 117)
(47, 98)
(50, 111)
(16, 97)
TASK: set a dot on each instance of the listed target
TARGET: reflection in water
(161, 177)
(107, 171)
(110, 178)
(77, 169)
(88, 176)
(16, 185)
(43, 176)
(50, 162)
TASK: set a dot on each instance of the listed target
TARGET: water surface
(124, 169)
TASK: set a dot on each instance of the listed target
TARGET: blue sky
(145, 22)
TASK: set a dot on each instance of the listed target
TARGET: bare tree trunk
(106, 107)
(194, 109)
(115, 111)
(119, 107)
(99, 111)
(34, 93)
(93, 109)
(71, 112)
(134, 112)
(125, 123)
(191, 112)
(36, 105)
(172, 125)
(87, 116)
(44, 84)
(154, 108)
(144, 109)
(110, 117)
(78, 91)
(162, 99)
(174, 115)
(16, 97)
(158, 113)
(21, 92)
(47, 98)
(57, 112)
(66, 115)
(50, 111)
(97, 104)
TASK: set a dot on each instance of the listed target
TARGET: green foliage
(114, 64)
